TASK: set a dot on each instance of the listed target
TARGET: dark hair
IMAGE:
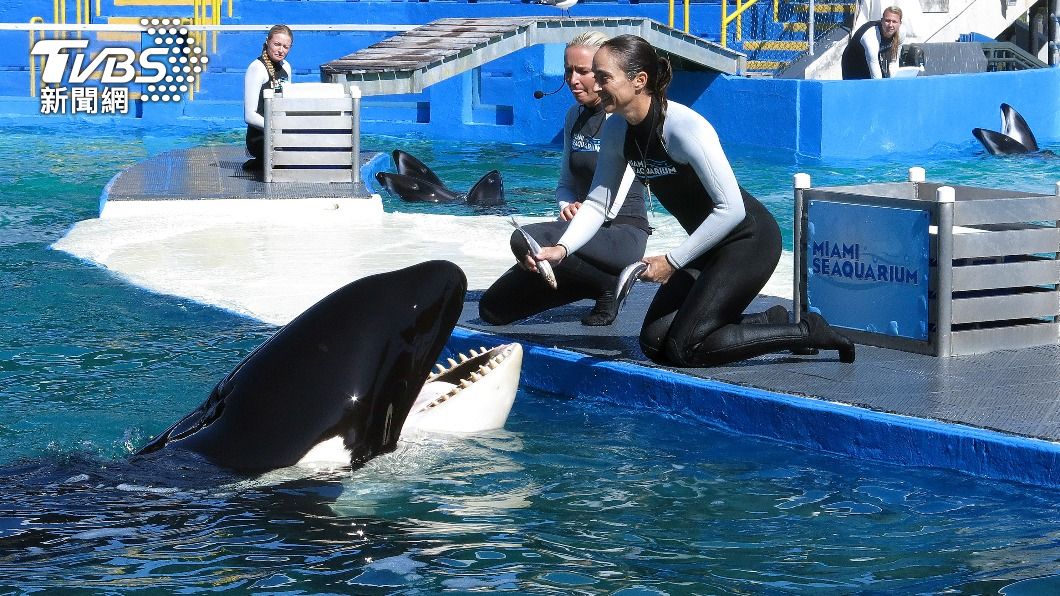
(635, 55)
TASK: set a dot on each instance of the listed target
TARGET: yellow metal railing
(670, 20)
(199, 17)
(727, 19)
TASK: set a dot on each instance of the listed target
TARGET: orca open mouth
(470, 393)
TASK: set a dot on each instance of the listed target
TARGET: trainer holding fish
(593, 271)
(733, 246)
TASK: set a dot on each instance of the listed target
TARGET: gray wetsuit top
(687, 170)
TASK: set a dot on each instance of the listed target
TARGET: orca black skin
(349, 366)
(408, 165)
(997, 143)
(415, 189)
(415, 182)
(1015, 137)
(487, 192)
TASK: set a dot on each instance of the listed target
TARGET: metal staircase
(774, 35)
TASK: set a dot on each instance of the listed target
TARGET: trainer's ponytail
(634, 54)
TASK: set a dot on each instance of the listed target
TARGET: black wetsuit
(733, 247)
(855, 63)
(621, 240)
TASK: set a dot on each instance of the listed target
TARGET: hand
(569, 210)
(659, 269)
(552, 254)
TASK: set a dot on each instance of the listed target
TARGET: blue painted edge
(806, 422)
(105, 195)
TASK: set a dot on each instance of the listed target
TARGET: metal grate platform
(203, 173)
(1011, 391)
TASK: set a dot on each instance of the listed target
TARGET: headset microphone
(539, 94)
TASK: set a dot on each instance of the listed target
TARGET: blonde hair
(588, 39)
(273, 81)
(897, 41)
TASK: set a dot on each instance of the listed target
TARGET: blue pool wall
(817, 119)
(805, 422)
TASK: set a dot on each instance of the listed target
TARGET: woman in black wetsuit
(267, 71)
(620, 240)
(734, 243)
(872, 51)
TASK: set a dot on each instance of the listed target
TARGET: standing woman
(620, 240)
(269, 71)
(734, 244)
(873, 50)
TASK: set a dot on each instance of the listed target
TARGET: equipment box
(929, 268)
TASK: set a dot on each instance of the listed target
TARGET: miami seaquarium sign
(868, 267)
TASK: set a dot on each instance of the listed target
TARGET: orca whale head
(416, 190)
(415, 182)
(1015, 137)
(347, 369)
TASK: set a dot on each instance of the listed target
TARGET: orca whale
(415, 182)
(1015, 137)
(408, 165)
(348, 369)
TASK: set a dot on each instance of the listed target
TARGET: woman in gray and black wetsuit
(267, 71)
(620, 240)
(733, 245)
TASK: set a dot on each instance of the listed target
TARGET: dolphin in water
(415, 182)
(1015, 137)
(343, 377)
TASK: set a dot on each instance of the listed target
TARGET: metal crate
(968, 270)
(312, 133)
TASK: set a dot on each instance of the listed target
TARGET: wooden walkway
(411, 61)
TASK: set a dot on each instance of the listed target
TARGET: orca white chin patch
(331, 453)
(472, 395)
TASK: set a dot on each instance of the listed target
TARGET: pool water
(574, 496)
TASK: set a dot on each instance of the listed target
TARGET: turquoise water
(572, 497)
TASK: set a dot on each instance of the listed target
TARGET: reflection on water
(575, 496)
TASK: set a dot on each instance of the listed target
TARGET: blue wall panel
(878, 117)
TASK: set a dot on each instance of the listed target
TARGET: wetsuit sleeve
(610, 168)
(623, 191)
(252, 82)
(691, 139)
(565, 189)
(871, 43)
